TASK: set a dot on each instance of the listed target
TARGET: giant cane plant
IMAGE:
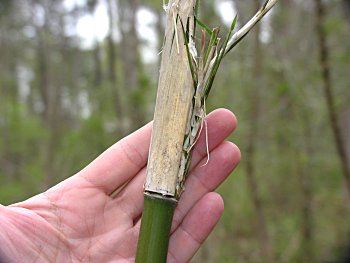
(186, 78)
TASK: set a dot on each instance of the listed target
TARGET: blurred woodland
(63, 100)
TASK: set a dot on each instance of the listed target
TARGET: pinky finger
(195, 228)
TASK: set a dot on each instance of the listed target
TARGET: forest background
(76, 76)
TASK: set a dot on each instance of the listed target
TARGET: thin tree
(112, 71)
(48, 89)
(323, 52)
(252, 138)
(131, 65)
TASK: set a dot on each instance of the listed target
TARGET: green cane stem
(155, 229)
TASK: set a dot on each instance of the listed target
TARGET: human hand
(94, 216)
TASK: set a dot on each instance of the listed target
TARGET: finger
(130, 198)
(195, 228)
(199, 182)
(221, 123)
(125, 158)
(204, 179)
(120, 162)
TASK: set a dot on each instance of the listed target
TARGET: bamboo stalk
(174, 96)
(184, 83)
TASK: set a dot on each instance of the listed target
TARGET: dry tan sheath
(174, 96)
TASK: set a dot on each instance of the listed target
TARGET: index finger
(120, 162)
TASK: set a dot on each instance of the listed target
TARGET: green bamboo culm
(155, 229)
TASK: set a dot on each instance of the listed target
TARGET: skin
(94, 216)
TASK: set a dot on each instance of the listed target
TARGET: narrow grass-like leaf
(190, 59)
(218, 60)
(204, 26)
(223, 48)
(233, 24)
(212, 42)
(210, 80)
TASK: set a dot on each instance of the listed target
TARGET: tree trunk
(50, 82)
(253, 133)
(112, 74)
(328, 91)
(306, 188)
(345, 130)
(131, 64)
(98, 77)
(48, 97)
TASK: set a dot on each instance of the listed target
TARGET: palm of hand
(75, 224)
(84, 219)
